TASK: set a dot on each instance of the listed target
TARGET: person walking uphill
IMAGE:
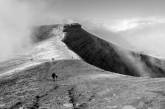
(54, 76)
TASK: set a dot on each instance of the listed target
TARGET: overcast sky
(110, 9)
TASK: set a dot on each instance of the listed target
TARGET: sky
(110, 9)
(134, 24)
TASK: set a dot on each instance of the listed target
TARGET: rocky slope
(51, 76)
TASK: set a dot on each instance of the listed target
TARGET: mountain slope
(78, 86)
(111, 57)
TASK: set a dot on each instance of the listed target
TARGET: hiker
(52, 59)
(54, 76)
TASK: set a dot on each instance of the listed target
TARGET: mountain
(71, 70)
(111, 57)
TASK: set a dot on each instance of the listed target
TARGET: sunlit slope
(43, 50)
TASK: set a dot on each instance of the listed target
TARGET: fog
(14, 28)
(148, 37)
(17, 18)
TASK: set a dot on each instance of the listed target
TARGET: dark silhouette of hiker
(53, 59)
(54, 76)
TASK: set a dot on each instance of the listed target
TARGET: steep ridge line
(109, 56)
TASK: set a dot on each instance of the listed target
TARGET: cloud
(147, 36)
(120, 25)
(14, 27)
(17, 18)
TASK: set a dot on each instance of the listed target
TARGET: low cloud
(148, 36)
(17, 17)
(14, 27)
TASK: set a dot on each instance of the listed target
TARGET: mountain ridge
(111, 57)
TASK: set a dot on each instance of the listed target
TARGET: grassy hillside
(78, 86)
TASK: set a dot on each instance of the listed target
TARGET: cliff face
(110, 57)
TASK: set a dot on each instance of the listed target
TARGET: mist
(15, 23)
(148, 38)
(17, 19)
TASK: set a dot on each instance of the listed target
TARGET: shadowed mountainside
(111, 57)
